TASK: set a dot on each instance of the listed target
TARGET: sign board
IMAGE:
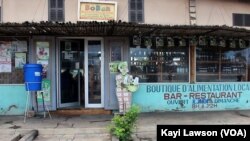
(5, 56)
(113, 66)
(20, 59)
(42, 49)
(192, 97)
(45, 91)
(96, 10)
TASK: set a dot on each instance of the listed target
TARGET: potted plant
(123, 126)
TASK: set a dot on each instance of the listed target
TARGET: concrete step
(95, 137)
(60, 134)
(81, 111)
(57, 131)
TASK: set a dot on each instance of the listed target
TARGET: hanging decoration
(213, 41)
(159, 41)
(193, 41)
(202, 41)
(242, 43)
(221, 42)
(232, 43)
(170, 42)
(148, 42)
(182, 42)
(137, 40)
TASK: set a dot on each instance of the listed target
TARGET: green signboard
(45, 91)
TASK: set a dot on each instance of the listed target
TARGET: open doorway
(80, 77)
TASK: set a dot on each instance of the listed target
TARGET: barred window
(136, 11)
(241, 19)
(56, 10)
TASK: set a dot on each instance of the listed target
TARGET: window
(160, 64)
(136, 11)
(13, 56)
(56, 10)
(222, 64)
(241, 19)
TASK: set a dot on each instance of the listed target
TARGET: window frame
(221, 64)
(243, 20)
(151, 65)
(57, 9)
(136, 11)
(15, 76)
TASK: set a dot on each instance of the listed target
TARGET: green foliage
(122, 126)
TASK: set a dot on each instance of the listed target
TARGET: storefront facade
(83, 87)
(180, 68)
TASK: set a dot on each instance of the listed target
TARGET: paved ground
(94, 128)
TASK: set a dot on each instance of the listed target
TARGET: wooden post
(192, 57)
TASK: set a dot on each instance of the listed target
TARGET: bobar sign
(97, 10)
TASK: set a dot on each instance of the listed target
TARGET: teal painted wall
(158, 97)
(192, 97)
(12, 99)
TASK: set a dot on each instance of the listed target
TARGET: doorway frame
(58, 68)
(87, 104)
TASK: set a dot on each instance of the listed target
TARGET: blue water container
(33, 77)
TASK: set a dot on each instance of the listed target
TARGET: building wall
(219, 12)
(37, 10)
(25, 10)
(169, 12)
(12, 99)
(209, 12)
(71, 9)
(122, 10)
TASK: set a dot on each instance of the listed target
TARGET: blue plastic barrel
(33, 77)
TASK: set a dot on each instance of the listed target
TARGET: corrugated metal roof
(113, 28)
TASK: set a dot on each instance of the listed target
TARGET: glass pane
(162, 64)
(132, 5)
(207, 64)
(60, 15)
(247, 19)
(233, 65)
(69, 72)
(139, 16)
(238, 19)
(53, 15)
(132, 16)
(60, 3)
(94, 71)
(116, 53)
(136, 11)
(13, 72)
(223, 64)
(139, 5)
(52, 3)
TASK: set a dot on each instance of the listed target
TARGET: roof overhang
(113, 28)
